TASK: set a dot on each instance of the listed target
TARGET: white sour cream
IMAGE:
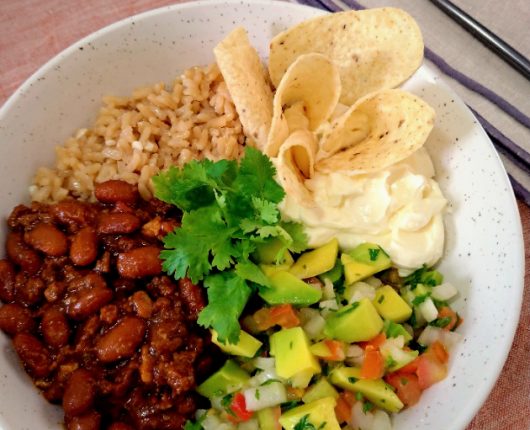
(400, 208)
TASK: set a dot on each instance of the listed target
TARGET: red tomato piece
(430, 370)
(239, 409)
(373, 365)
(336, 349)
(446, 311)
(376, 342)
(407, 387)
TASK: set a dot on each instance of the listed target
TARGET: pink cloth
(33, 31)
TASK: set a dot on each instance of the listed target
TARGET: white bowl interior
(484, 248)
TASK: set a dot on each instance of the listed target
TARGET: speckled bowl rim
(475, 403)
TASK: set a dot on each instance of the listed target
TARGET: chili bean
(48, 239)
(118, 223)
(7, 281)
(88, 421)
(55, 328)
(54, 291)
(140, 262)
(142, 304)
(114, 191)
(72, 213)
(84, 303)
(33, 355)
(31, 291)
(15, 319)
(84, 247)
(22, 254)
(193, 296)
(122, 340)
(79, 393)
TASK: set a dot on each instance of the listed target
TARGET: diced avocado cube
(302, 379)
(272, 269)
(268, 418)
(356, 322)
(227, 379)
(393, 329)
(291, 349)
(246, 347)
(287, 288)
(375, 390)
(269, 253)
(322, 388)
(390, 305)
(335, 273)
(320, 414)
(317, 261)
(363, 261)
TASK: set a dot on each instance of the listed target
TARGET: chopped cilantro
(424, 276)
(197, 425)
(390, 362)
(359, 397)
(352, 380)
(404, 381)
(367, 407)
(305, 424)
(441, 322)
(228, 208)
(381, 299)
(289, 405)
(269, 381)
(374, 253)
(419, 299)
(257, 394)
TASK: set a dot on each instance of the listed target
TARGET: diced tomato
(282, 315)
(430, 369)
(238, 407)
(337, 350)
(439, 351)
(376, 342)
(445, 312)
(412, 367)
(407, 387)
(373, 364)
(343, 408)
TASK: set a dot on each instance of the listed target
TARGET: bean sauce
(98, 326)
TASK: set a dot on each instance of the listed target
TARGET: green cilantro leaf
(251, 272)
(227, 297)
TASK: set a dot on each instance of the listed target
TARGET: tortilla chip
(246, 80)
(395, 123)
(295, 164)
(374, 49)
(305, 98)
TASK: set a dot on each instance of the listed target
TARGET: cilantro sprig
(228, 209)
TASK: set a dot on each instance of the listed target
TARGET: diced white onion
(444, 291)
(251, 424)
(306, 314)
(265, 396)
(314, 327)
(262, 377)
(360, 290)
(354, 355)
(432, 334)
(213, 422)
(428, 310)
(361, 420)
(264, 363)
(373, 281)
(381, 421)
(330, 305)
(328, 292)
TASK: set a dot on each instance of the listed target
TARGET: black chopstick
(489, 39)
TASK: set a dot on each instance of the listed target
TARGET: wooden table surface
(33, 31)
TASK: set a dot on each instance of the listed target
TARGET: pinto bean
(15, 319)
(193, 296)
(33, 354)
(21, 254)
(122, 340)
(55, 328)
(118, 223)
(7, 281)
(79, 393)
(31, 291)
(72, 213)
(114, 191)
(120, 426)
(88, 421)
(48, 239)
(140, 262)
(142, 303)
(84, 303)
(84, 247)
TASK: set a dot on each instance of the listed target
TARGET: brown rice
(135, 137)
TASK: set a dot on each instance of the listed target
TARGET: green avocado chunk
(227, 379)
(317, 261)
(268, 418)
(322, 388)
(287, 288)
(247, 346)
(363, 261)
(356, 322)
(375, 390)
(269, 253)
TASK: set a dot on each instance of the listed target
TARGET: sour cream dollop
(400, 208)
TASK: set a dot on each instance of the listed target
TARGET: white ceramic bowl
(484, 249)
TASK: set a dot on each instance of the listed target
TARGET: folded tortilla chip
(295, 164)
(305, 98)
(379, 130)
(374, 49)
(246, 80)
